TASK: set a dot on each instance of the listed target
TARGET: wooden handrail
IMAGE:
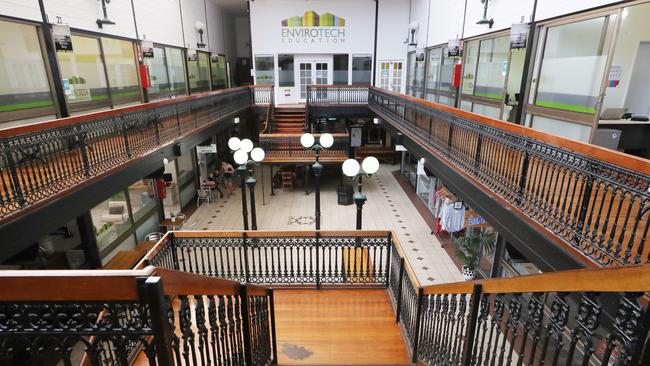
(177, 283)
(67, 285)
(407, 265)
(68, 121)
(270, 136)
(343, 86)
(152, 253)
(616, 279)
(278, 233)
(631, 162)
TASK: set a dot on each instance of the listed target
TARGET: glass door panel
(305, 78)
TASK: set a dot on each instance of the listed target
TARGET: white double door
(312, 70)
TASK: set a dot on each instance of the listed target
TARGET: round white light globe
(246, 145)
(370, 165)
(307, 140)
(234, 143)
(165, 161)
(326, 140)
(257, 154)
(351, 168)
(241, 157)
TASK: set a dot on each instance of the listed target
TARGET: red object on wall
(144, 76)
(456, 79)
(160, 186)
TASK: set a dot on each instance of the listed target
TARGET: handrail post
(246, 325)
(584, 205)
(275, 338)
(418, 322)
(389, 245)
(522, 178)
(317, 260)
(468, 342)
(16, 186)
(477, 153)
(153, 291)
(125, 138)
(244, 236)
(172, 243)
(399, 289)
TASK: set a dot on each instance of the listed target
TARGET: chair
(203, 195)
(155, 237)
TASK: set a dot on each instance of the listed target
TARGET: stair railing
(592, 316)
(154, 315)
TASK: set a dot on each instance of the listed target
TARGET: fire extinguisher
(456, 79)
(160, 186)
(144, 76)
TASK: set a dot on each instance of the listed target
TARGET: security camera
(199, 26)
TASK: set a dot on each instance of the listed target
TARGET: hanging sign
(453, 48)
(518, 33)
(209, 149)
(473, 219)
(191, 54)
(62, 37)
(614, 77)
(147, 49)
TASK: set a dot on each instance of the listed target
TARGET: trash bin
(345, 193)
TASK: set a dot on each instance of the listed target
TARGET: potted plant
(469, 249)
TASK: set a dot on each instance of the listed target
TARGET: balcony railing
(581, 317)
(333, 95)
(262, 94)
(43, 160)
(595, 200)
(287, 148)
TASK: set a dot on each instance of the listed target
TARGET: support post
(499, 247)
(399, 289)
(89, 240)
(418, 323)
(244, 237)
(275, 338)
(159, 320)
(468, 343)
(317, 260)
(250, 182)
(318, 169)
(388, 257)
(242, 172)
(359, 199)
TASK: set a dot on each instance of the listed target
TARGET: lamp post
(325, 141)
(241, 149)
(351, 168)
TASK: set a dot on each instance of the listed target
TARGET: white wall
(216, 42)
(193, 11)
(25, 9)
(393, 21)
(445, 24)
(159, 21)
(83, 14)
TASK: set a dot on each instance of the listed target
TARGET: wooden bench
(383, 153)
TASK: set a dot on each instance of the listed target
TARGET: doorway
(312, 71)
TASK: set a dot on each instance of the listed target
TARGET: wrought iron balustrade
(557, 318)
(284, 147)
(333, 95)
(40, 161)
(151, 316)
(594, 200)
(262, 94)
(279, 257)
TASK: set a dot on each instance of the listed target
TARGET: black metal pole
(242, 172)
(57, 80)
(250, 182)
(89, 240)
(318, 169)
(359, 199)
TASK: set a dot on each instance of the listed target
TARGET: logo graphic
(314, 29)
(312, 19)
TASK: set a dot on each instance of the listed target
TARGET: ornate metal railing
(40, 161)
(262, 94)
(593, 199)
(333, 95)
(583, 317)
(321, 258)
(150, 316)
(283, 147)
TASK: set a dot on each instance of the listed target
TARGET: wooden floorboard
(337, 327)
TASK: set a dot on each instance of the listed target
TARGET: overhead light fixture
(413, 28)
(485, 20)
(200, 28)
(101, 22)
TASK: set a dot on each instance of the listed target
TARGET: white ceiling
(234, 7)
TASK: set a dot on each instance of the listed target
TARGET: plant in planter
(469, 249)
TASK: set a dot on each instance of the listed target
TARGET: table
(124, 259)
(172, 224)
(145, 246)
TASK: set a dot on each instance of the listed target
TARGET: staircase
(289, 119)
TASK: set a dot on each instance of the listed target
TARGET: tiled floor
(388, 207)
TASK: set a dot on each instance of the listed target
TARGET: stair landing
(337, 327)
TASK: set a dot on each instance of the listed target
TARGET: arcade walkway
(388, 208)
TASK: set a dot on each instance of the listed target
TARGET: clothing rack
(445, 193)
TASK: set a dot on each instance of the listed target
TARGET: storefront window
(83, 74)
(122, 72)
(199, 73)
(492, 67)
(158, 72)
(23, 79)
(111, 220)
(447, 71)
(572, 66)
(142, 198)
(286, 72)
(218, 67)
(264, 73)
(361, 69)
(433, 73)
(469, 68)
(341, 69)
(176, 69)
